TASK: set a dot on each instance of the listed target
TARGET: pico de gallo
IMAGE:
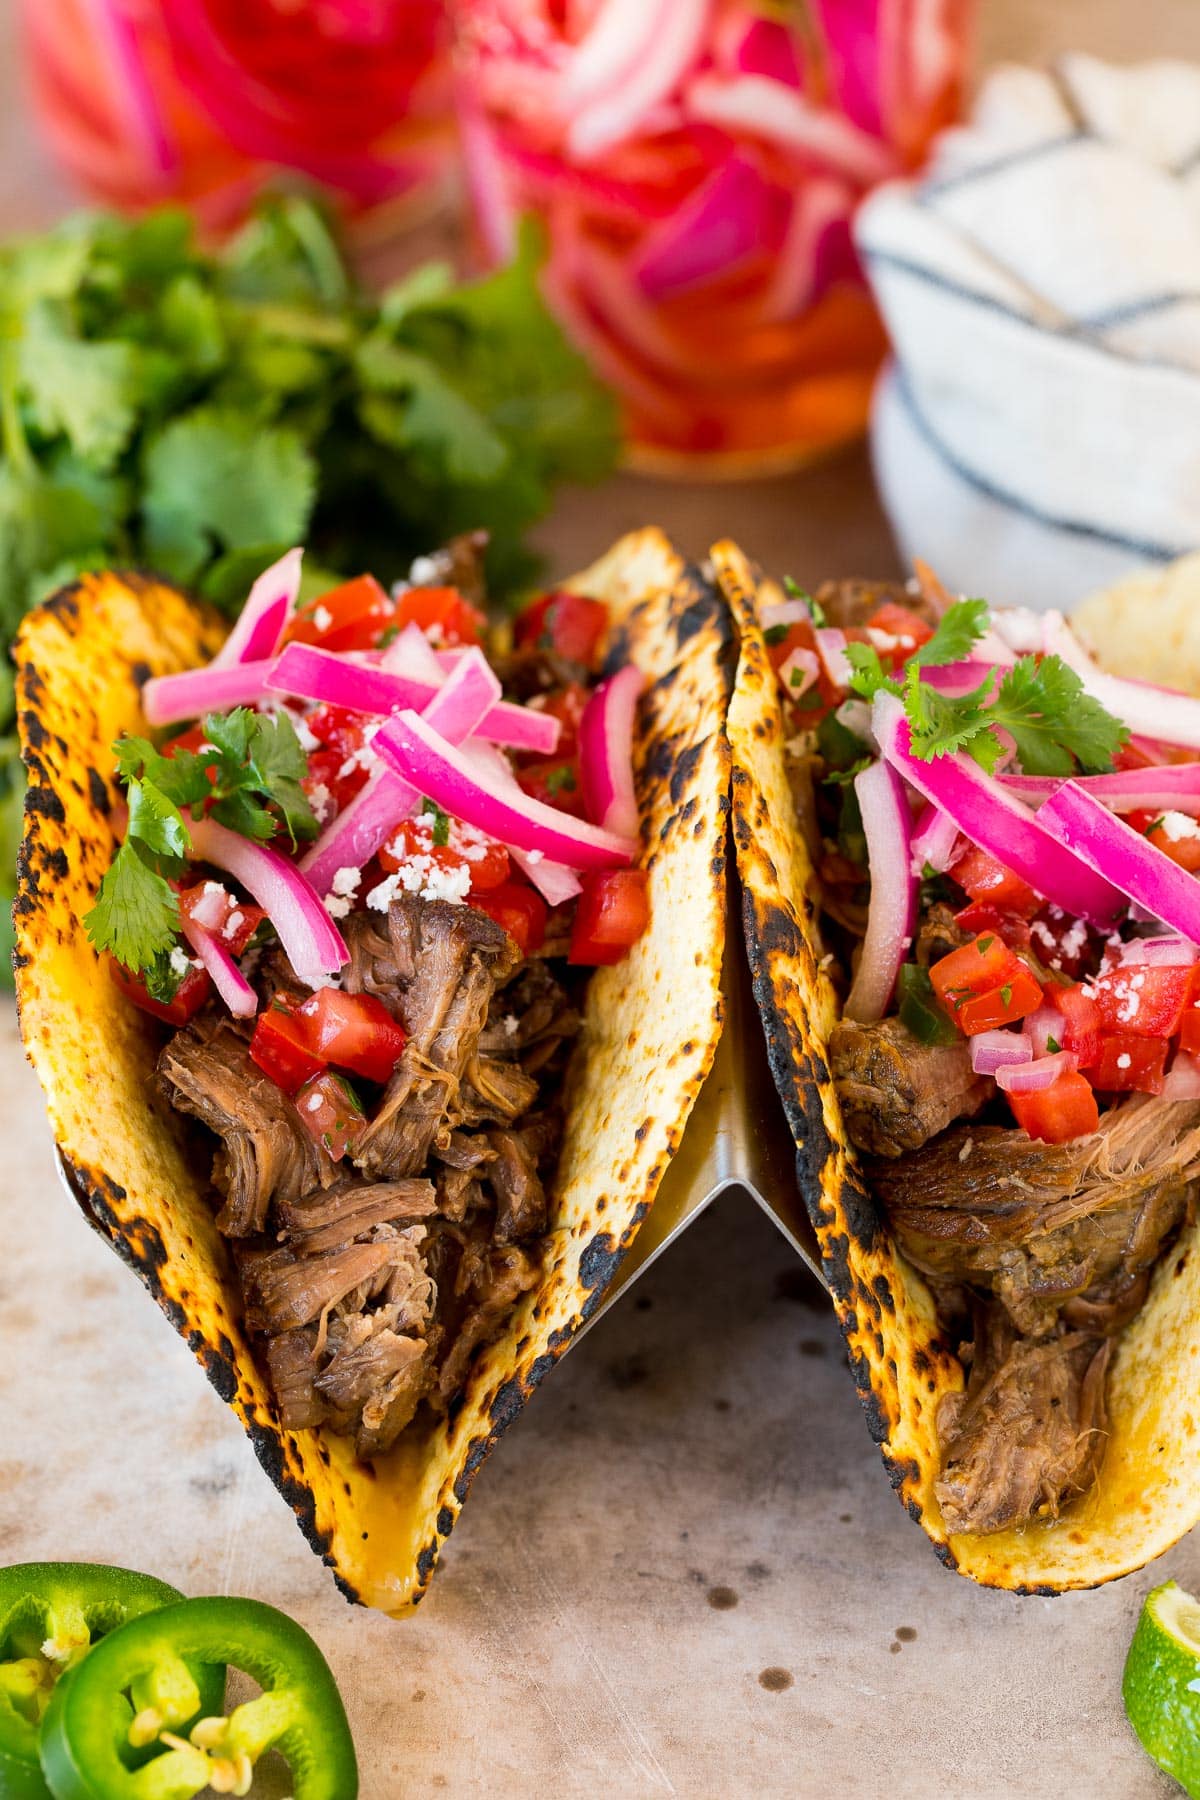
(1007, 843)
(364, 868)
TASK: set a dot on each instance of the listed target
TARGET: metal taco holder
(737, 1137)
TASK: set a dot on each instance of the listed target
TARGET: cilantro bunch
(198, 414)
(1038, 702)
(247, 776)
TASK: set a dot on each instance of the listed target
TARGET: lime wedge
(1161, 1685)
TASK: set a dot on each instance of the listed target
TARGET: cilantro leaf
(156, 822)
(959, 630)
(1042, 707)
(794, 591)
(136, 915)
(88, 391)
(869, 673)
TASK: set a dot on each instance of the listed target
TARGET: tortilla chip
(1148, 626)
(1148, 1493)
(650, 1031)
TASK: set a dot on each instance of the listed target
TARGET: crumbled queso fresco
(421, 875)
(1177, 825)
(341, 897)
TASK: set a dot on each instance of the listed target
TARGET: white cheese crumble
(511, 1024)
(313, 1103)
(421, 875)
(884, 640)
(321, 801)
(1124, 1060)
(341, 897)
(322, 618)
(180, 962)
(306, 739)
(423, 573)
(1177, 825)
(233, 924)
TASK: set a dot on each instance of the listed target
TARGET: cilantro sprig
(1037, 705)
(247, 774)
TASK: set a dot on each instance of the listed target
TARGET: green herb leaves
(247, 775)
(1038, 703)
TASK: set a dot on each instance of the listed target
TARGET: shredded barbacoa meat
(1053, 1244)
(372, 1282)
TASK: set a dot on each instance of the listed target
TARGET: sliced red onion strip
(993, 819)
(555, 882)
(760, 107)
(670, 35)
(363, 827)
(892, 914)
(1123, 857)
(934, 841)
(1019, 627)
(991, 1050)
(166, 699)
(784, 612)
(606, 752)
(227, 978)
(463, 788)
(1167, 952)
(831, 648)
(414, 656)
(1172, 787)
(256, 634)
(1036, 1076)
(312, 942)
(958, 678)
(312, 674)
(1156, 712)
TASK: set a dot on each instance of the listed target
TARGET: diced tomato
(355, 1031)
(555, 783)
(234, 922)
(898, 622)
(611, 914)
(1142, 1000)
(1016, 999)
(325, 771)
(981, 919)
(332, 1113)
(570, 624)
(488, 862)
(351, 617)
(1182, 850)
(1066, 1109)
(520, 910)
(336, 728)
(442, 612)
(1128, 1063)
(1080, 1021)
(782, 640)
(190, 995)
(565, 704)
(1189, 1027)
(989, 882)
(985, 963)
(283, 1048)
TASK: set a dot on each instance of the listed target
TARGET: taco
(968, 857)
(370, 1008)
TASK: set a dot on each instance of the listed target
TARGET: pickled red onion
(260, 625)
(606, 752)
(893, 907)
(227, 978)
(312, 942)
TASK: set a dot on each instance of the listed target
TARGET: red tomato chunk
(355, 1031)
(1130, 1065)
(1066, 1109)
(1142, 1000)
(611, 914)
(519, 910)
(332, 1113)
(190, 995)
(282, 1048)
(570, 624)
(990, 883)
(351, 617)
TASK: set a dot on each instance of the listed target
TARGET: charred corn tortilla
(650, 1031)
(1148, 1493)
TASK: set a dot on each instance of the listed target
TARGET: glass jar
(696, 164)
(203, 100)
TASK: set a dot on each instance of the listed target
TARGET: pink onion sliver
(621, 32)
(413, 655)
(1036, 1076)
(1172, 787)
(1182, 1081)
(554, 881)
(463, 787)
(259, 627)
(991, 1050)
(1040, 1027)
(1123, 857)
(312, 942)
(606, 752)
(308, 673)
(755, 105)
(993, 819)
(957, 678)
(1157, 712)
(799, 672)
(211, 908)
(1167, 952)
(892, 913)
(831, 648)
(934, 841)
(365, 825)
(671, 35)
(227, 978)
(734, 214)
(167, 699)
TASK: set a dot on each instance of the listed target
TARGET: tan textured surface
(568, 1646)
(650, 1031)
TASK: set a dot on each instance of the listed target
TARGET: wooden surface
(683, 1572)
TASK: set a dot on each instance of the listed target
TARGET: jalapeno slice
(51, 1615)
(124, 1696)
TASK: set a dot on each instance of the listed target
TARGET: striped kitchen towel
(1037, 433)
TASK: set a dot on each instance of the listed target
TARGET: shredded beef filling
(1050, 1248)
(372, 1282)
